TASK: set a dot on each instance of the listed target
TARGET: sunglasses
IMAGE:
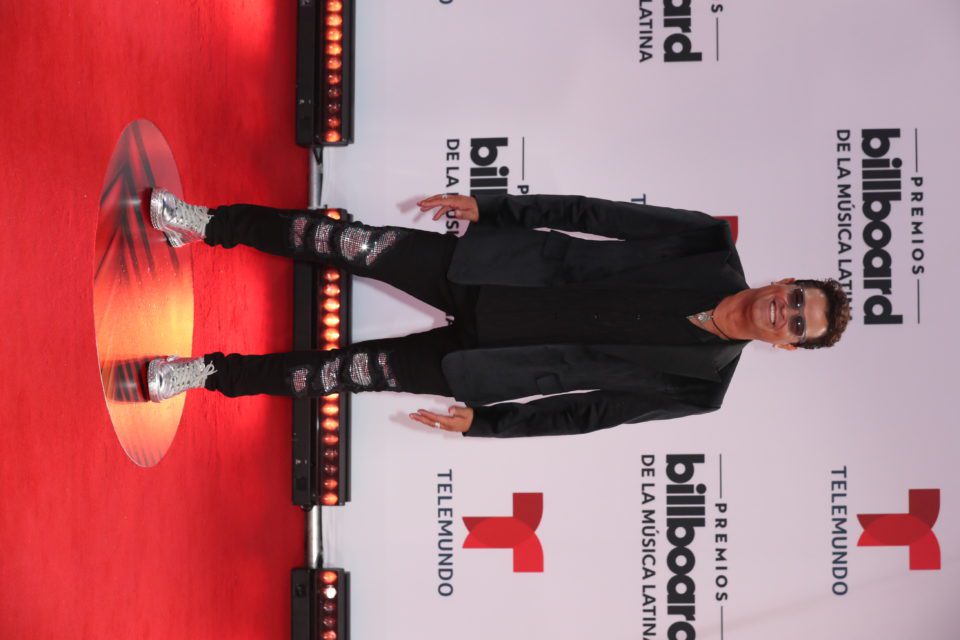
(797, 324)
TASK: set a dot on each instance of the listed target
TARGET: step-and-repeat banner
(822, 500)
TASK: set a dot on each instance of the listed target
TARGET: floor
(94, 546)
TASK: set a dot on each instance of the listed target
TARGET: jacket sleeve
(623, 220)
(575, 413)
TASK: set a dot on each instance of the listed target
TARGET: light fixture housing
(321, 426)
(325, 75)
(319, 604)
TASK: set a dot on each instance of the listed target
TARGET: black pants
(411, 260)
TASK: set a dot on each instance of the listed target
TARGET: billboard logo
(880, 233)
(671, 23)
(483, 169)
(913, 529)
(485, 177)
(517, 532)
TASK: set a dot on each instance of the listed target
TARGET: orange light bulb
(334, 5)
(330, 499)
(331, 320)
(331, 290)
(332, 136)
(331, 304)
(331, 335)
(330, 410)
(334, 34)
(334, 49)
(330, 424)
(334, 20)
(328, 577)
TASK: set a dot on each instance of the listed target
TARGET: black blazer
(659, 247)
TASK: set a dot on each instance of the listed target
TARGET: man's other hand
(463, 207)
(459, 419)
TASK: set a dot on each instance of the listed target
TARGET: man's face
(774, 317)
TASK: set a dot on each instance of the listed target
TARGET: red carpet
(201, 545)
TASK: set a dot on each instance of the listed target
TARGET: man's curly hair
(838, 312)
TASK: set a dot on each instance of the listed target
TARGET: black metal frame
(304, 614)
(311, 73)
(307, 456)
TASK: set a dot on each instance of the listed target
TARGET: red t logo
(734, 222)
(517, 532)
(913, 529)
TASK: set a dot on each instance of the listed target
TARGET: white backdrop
(751, 130)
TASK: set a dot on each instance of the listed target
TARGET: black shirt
(515, 316)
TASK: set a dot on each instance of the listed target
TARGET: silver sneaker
(181, 222)
(167, 377)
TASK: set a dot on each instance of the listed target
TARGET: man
(648, 326)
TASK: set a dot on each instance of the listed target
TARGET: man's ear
(786, 281)
(786, 346)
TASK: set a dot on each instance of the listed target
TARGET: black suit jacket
(656, 247)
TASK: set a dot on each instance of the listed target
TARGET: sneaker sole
(153, 379)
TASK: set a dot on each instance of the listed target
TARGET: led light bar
(320, 604)
(325, 45)
(321, 426)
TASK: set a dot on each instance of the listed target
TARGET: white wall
(752, 134)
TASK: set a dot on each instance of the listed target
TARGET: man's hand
(460, 419)
(463, 207)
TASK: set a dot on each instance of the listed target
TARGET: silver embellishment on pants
(330, 375)
(360, 370)
(345, 371)
(299, 379)
(321, 237)
(365, 244)
(355, 243)
(384, 363)
(297, 229)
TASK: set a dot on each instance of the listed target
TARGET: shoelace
(191, 216)
(189, 376)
